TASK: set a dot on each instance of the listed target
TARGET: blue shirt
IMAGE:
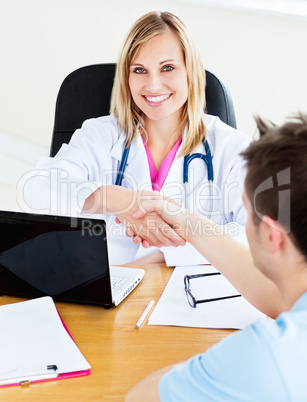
(267, 361)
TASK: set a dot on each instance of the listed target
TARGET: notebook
(36, 346)
(62, 257)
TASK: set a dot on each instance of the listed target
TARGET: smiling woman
(159, 87)
(157, 117)
(165, 35)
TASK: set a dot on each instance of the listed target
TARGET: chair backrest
(86, 93)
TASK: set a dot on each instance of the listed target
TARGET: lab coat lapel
(137, 175)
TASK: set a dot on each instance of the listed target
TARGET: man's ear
(275, 234)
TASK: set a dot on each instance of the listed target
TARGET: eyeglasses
(191, 299)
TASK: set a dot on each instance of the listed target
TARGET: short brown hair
(276, 179)
(122, 105)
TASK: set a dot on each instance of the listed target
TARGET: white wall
(261, 58)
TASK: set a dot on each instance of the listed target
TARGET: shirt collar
(301, 303)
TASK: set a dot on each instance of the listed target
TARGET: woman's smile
(158, 100)
(158, 79)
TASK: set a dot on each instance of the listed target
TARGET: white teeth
(156, 99)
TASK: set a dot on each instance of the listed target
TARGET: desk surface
(119, 354)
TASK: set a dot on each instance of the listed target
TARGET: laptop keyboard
(119, 283)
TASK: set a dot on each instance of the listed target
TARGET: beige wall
(261, 58)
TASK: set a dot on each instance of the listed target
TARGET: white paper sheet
(187, 255)
(173, 308)
(32, 336)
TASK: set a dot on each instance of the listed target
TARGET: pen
(145, 313)
(36, 375)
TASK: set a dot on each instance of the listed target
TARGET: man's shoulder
(239, 366)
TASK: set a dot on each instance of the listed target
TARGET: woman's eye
(139, 70)
(168, 68)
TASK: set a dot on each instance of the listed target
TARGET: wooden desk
(119, 354)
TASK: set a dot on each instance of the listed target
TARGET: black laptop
(63, 257)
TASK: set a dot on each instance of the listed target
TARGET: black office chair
(86, 93)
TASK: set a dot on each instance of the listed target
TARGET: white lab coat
(61, 184)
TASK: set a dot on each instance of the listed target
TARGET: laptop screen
(62, 257)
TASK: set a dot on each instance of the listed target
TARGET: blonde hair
(122, 104)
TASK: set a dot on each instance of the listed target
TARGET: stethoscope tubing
(122, 167)
(207, 158)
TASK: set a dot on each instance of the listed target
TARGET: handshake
(154, 220)
(150, 218)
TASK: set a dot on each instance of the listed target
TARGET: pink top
(158, 177)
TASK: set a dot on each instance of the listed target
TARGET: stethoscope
(207, 158)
